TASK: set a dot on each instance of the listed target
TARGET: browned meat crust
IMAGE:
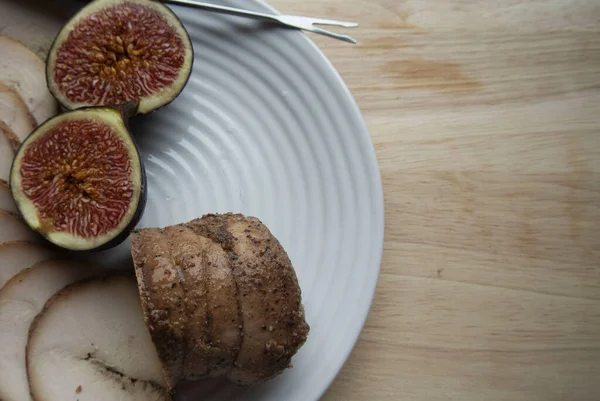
(242, 313)
(162, 296)
(269, 296)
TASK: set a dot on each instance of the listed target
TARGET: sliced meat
(25, 73)
(211, 297)
(270, 299)
(7, 203)
(13, 229)
(210, 335)
(242, 301)
(161, 293)
(18, 256)
(21, 299)
(90, 343)
(187, 252)
(225, 322)
(213, 326)
(7, 153)
(9, 134)
(14, 113)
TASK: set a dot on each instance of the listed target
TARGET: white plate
(266, 127)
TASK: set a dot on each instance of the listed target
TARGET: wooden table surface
(485, 115)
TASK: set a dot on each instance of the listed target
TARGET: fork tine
(345, 38)
(345, 24)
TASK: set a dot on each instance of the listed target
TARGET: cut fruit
(7, 154)
(114, 52)
(7, 203)
(24, 72)
(90, 343)
(14, 229)
(21, 299)
(18, 256)
(78, 180)
(15, 114)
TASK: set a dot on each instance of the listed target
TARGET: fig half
(114, 52)
(79, 181)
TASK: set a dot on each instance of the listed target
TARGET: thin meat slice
(268, 287)
(15, 114)
(187, 252)
(7, 153)
(25, 73)
(7, 202)
(9, 134)
(222, 331)
(90, 343)
(18, 256)
(13, 229)
(274, 327)
(21, 299)
(223, 311)
(162, 296)
(213, 334)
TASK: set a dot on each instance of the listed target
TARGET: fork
(304, 23)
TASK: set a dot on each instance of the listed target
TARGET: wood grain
(485, 115)
(486, 120)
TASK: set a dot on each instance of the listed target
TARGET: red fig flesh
(115, 52)
(78, 179)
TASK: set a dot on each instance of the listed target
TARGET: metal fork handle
(223, 9)
(334, 35)
(298, 22)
